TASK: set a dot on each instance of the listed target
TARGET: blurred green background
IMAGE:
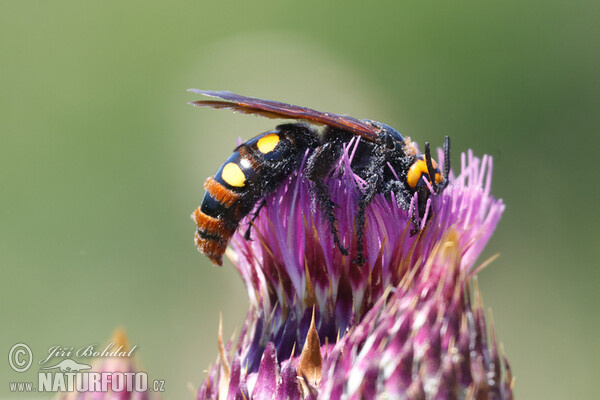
(102, 160)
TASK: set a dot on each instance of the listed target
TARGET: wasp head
(425, 171)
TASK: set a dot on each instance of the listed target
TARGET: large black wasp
(385, 160)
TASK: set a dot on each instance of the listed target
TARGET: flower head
(320, 325)
(111, 377)
(424, 338)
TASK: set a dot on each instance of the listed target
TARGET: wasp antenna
(446, 161)
(430, 170)
(447, 157)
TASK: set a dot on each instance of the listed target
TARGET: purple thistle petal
(289, 388)
(234, 378)
(266, 381)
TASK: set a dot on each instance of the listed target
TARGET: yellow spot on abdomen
(267, 143)
(232, 175)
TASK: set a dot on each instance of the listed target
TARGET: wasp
(384, 159)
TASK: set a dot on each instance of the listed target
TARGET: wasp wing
(275, 109)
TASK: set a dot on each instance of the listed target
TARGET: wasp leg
(403, 198)
(373, 178)
(401, 194)
(364, 201)
(317, 168)
(260, 206)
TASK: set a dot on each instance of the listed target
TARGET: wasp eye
(389, 141)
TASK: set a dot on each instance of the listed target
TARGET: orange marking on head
(220, 193)
(418, 169)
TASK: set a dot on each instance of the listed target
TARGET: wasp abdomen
(253, 170)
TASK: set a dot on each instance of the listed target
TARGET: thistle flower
(115, 377)
(422, 339)
(401, 325)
